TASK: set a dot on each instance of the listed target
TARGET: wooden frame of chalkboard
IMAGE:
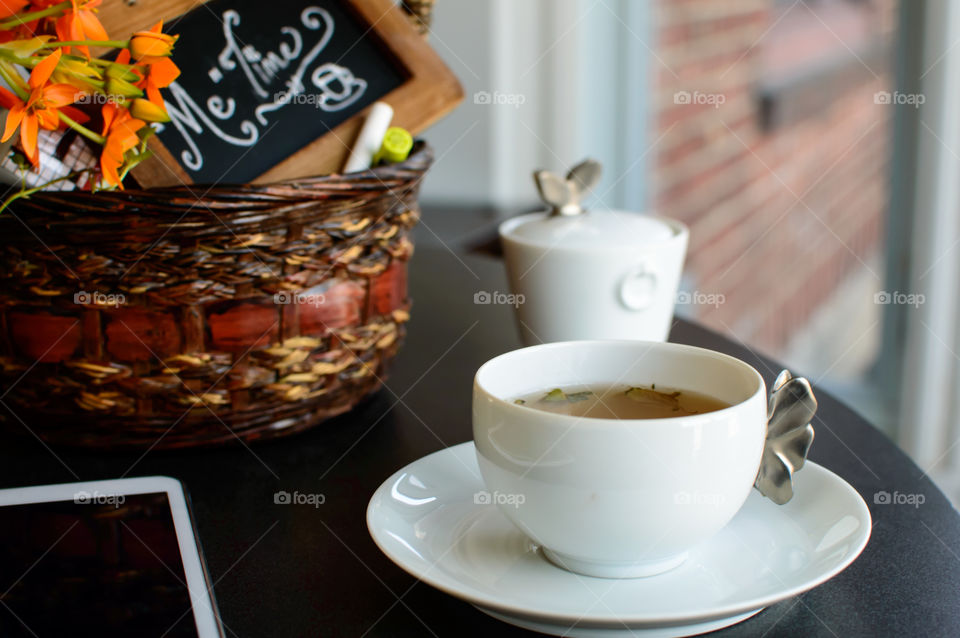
(412, 79)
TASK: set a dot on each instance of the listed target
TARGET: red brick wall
(773, 259)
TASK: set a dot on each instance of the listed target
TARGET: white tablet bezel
(205, 615)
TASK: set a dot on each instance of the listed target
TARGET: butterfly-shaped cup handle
(789, 436)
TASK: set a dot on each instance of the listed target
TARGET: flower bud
(116, 86)
(121, 72)
(148, 111)
(151, 44)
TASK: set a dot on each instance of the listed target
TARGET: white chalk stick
(370, 137)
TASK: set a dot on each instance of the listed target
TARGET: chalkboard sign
(277, 90)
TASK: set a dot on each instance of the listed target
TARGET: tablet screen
(99, 565)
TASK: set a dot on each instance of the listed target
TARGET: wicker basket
(192, 315)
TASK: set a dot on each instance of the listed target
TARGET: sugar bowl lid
(567, 224)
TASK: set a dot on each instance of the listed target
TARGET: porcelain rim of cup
(566, 420)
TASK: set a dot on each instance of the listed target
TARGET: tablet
(103, 558)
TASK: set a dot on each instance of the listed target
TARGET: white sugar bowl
(591, 275)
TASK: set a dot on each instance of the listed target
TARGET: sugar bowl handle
(789, 436)
(638, 288)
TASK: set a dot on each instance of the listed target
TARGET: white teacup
(618, 498)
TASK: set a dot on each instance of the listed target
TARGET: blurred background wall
(774, 152)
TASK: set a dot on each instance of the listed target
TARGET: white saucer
(424, 518)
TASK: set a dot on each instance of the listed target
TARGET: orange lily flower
(34, 27)
(7, 9)
(10, 7)
(120, 128)
(160, 74)
(81, 23)
(152, 44)
(41, 108)
(156, 74)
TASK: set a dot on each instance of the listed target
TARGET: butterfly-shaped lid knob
(564, 194)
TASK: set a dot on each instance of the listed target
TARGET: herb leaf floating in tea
(789, 436)
(554, 395)
(520, 402)
(644, 395)
(557, 395)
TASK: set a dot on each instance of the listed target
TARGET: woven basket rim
(244, 200)
(384, 175)
(70, 216)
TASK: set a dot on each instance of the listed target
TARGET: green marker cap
(396, 146)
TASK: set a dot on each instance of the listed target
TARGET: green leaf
(26, 48)
(557, 395)
(554, 396)
(644, 395)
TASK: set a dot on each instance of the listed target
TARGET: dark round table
(288, 570)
